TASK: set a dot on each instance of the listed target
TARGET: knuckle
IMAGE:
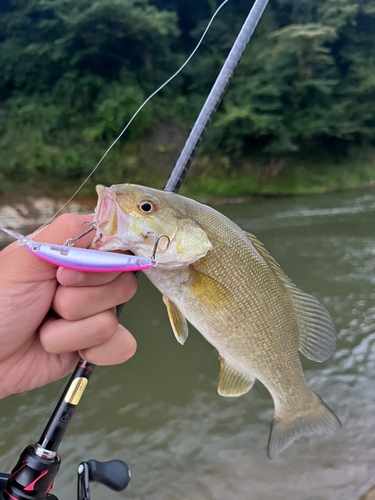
(45, 341)
(65, 306)
(47, 337)
(106, 326)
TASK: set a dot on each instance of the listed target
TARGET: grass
(296, 180)
(218, 179)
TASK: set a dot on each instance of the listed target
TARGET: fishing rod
(33, 475)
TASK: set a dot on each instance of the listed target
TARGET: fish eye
(146, 206)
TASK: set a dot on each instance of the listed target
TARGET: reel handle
(114, 474)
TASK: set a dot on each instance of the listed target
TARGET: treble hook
(89, 222)
(70, 242)
(156, 246)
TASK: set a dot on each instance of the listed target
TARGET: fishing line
(136, 113)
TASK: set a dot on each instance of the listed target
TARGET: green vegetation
(293, 179)
(298, 117)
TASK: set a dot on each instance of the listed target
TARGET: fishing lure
(82, 259)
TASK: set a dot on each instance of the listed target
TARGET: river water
(160, 412)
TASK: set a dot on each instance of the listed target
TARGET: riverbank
(22, 212)
(282, 178)
(210, 177)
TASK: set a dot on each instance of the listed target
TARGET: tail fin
(313, 419)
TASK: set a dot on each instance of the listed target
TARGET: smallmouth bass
(225, 283)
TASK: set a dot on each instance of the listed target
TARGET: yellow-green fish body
(225, 283)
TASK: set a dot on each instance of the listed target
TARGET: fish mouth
(110, 221)
(107, 243)
(106, 202)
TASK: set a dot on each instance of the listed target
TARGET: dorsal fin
(267, 257)
(317, 339)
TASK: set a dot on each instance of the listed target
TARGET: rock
(44, 206)
(33, 213)
(13, 217)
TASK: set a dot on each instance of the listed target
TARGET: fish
(224, 282)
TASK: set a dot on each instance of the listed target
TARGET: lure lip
(18, 236)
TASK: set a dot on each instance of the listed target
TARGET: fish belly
(255, 334)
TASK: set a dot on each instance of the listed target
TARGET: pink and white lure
(82, 259)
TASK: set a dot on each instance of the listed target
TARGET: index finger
(71, 277)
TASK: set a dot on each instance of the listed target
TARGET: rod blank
(214, 98)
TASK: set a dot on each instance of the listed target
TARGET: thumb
(20, 266)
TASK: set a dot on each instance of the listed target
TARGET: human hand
(50, 316)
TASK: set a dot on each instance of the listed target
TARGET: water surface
(160, 412)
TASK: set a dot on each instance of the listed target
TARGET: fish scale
(224, 282)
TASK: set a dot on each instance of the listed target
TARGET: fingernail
(69, 277)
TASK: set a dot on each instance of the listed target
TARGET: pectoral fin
(178, 321)
(232, 382)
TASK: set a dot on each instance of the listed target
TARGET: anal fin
(232, 383)
(178, 321)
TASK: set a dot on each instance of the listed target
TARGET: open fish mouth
(106, 203)
(111, 222)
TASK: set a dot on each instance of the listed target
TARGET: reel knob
(114, 474)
